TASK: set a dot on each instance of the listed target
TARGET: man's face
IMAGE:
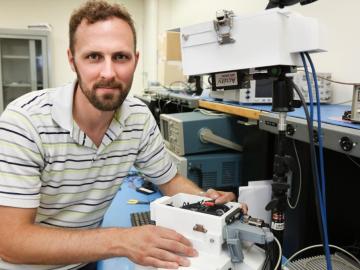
(104, 61)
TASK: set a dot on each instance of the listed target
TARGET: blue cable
(311, 127)
(321, 154)
(309, 89)
(321, 192)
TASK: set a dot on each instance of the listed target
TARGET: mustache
(108, 84)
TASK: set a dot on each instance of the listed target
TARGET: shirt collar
(62, 100)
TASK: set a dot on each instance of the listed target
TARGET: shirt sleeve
(153, 160)
(20, 160)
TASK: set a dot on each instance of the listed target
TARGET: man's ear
(136, 59)
(71, 59)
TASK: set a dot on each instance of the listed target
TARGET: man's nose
(107, 71)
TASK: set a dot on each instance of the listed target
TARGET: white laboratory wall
(151, 42)
(339, 17)
(21, 13)
(153, 17)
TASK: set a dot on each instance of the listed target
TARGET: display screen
(264, 88)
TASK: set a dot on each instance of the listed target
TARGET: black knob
(290, 130)
(346, 144)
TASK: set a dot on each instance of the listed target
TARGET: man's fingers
(175, 242)
(173, 235)
(212, 193)
(163, 248)
(225, 197)
(165, 257)
(177, 247)
(151, 261)
(244, 208)
(222, 197)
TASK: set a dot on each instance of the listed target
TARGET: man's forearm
(179, 184)
(184, 185)
(145, 245)
(34, 244)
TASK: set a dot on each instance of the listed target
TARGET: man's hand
(222, 197)
(181, 184)
(157, 246)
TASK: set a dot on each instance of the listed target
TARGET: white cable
(357, 164)
(280, 253)
(206, 135)
(333, 81)
(320, 245)
(300, 179)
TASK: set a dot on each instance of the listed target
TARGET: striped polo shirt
(47, 162)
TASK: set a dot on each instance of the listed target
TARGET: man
(65, 151)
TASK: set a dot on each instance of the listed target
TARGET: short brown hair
(98, 10)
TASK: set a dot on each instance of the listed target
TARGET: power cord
(333, 81)
(357, 164)
(300, 180)
(280, 253)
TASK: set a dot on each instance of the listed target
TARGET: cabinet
(24, 63)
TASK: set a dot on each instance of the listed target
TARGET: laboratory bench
(341, 141)
(341, 172)
(339, 135)
(118, 215)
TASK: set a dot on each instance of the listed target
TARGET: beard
(106, 102)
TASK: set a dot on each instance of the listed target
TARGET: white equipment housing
(213, 253)
(250, 95)
(268, 38)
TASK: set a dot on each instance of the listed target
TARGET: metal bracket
(199, 228)
(238, 231)
(223, 25)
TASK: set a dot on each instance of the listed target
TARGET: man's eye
(93, 57)
(121, 57)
